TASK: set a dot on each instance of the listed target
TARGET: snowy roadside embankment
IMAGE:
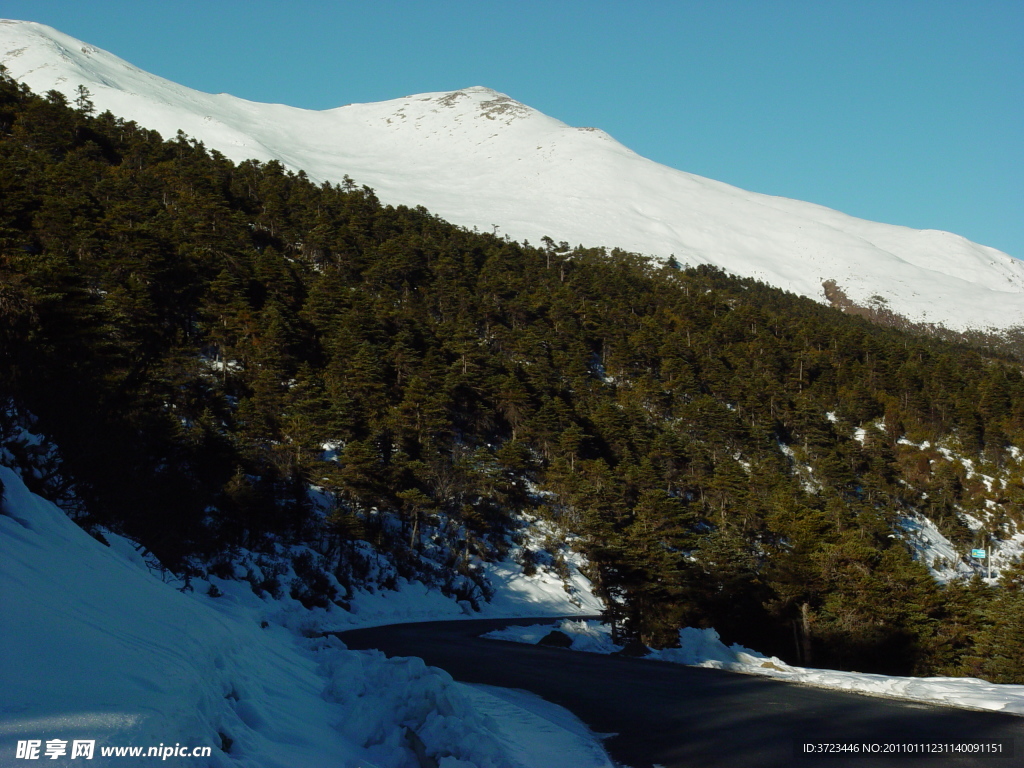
(516, 595)
(97, 648)
(703, 648)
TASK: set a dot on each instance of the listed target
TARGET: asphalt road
(674, 716)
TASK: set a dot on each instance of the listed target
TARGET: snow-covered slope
(100, 650)
(478, 158)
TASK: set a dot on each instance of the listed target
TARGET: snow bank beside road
(515, 596)
(97, 648)
(704, 648)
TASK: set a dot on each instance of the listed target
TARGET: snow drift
(97, 647)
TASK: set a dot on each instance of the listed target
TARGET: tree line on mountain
(207, 340)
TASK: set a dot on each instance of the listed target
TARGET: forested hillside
(206, 342)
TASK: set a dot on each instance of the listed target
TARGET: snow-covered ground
(1003, 543)
(703, 648)
(516, 596)
(480, 159)
(98, 648)
(929, 546)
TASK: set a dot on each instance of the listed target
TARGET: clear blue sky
(894, 110)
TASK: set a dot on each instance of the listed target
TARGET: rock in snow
(480, 159)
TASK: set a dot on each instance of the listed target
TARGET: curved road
(674, 716)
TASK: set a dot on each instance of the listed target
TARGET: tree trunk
(805, 633)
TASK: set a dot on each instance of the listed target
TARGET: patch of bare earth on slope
(1009, 341)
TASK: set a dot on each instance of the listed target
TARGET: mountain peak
(490, 103)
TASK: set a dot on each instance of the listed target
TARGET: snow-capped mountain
(480, 159)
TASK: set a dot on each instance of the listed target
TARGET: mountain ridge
(479, 158)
